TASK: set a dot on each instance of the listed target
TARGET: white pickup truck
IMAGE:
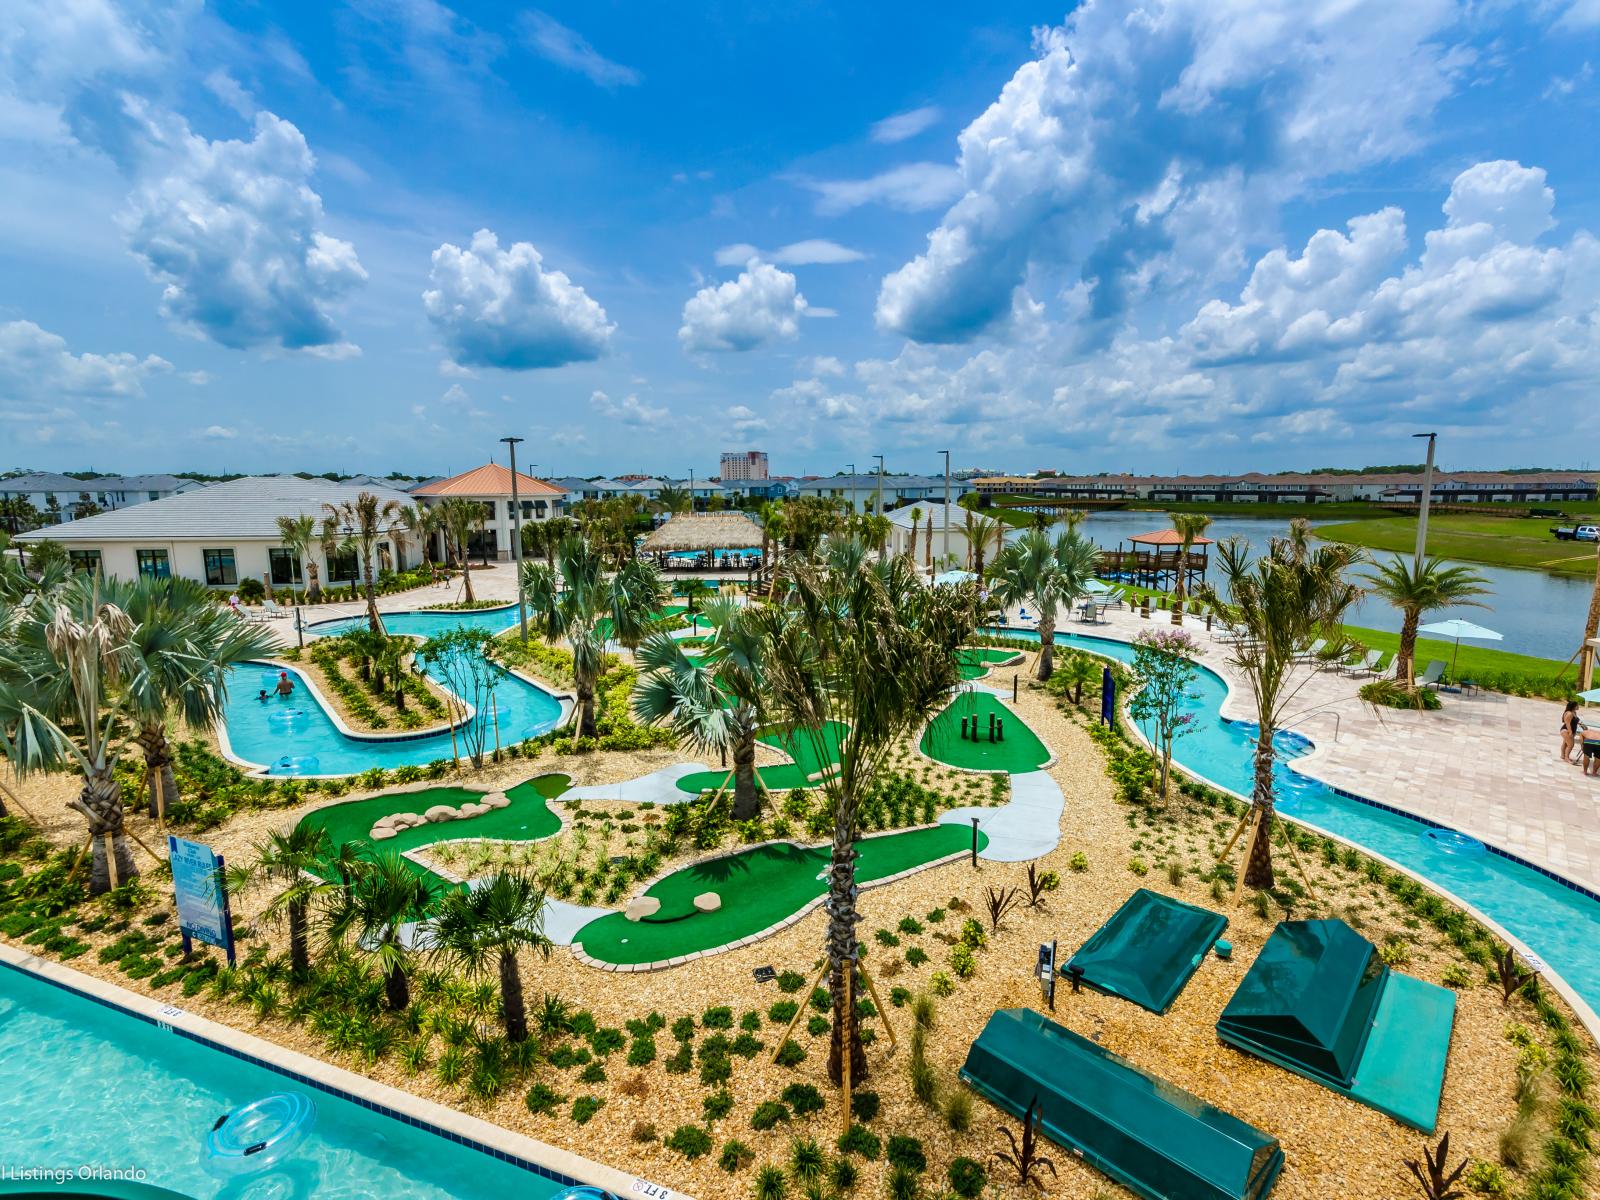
(1577, 533)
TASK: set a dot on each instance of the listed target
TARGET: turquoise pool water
(88, 1085)
(1556, 922)
(294, 736)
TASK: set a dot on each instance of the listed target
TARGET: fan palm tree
(874, 652)
(485, 927)
(1281, 601)
(187, 644)
(296, 865)
(299, 535)
(982, 534)
(1415, 591)
(712, 701)
(382, 898)
(68, 674)
(363, 521)
(460, 518)
(1190, 527)
(1047, 572)
(575, 599)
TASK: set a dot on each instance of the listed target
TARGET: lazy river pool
(1557, 922)
(294, 735)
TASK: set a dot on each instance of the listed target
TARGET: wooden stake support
(883, 1013)
(846, 1056)
(799, 1012)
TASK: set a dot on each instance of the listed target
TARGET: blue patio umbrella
(1458, 629)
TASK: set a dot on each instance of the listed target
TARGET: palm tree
(488, 925)
(187, 645)
(575, 599)
(299, 534)
(459, 518)
(1281, 602)
(1190, 527)
(296, 864)
(874, 652)
(772, 527)
(1417, 591)
(1591, 629)
(363, 521)
(982, 533)
(916, 519)
(1048, 573)
(421, 522)
(713, 701)
(67, 679)
(383, 897)
(673, 499)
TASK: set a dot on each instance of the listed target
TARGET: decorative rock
(707, 902)
(382, 833)
(441, 812)
(496, 800)
(474, 810)
(641, 907)
(407, 820)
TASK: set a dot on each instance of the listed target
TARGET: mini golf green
(798, 746)
(526, 819)
(759, 887)
(975, 661)
(603, 626)
(1021, 751)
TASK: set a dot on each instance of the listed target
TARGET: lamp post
(852, 490)
(945, 553)
(878, 510)
(1427, 494)
(516, 538)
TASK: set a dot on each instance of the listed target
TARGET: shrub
(768, 1114)
(858, 1139)
(1138, 866)
(806, 1160)
(972, 934)
(1457, 976)
(717, 1018)
(842, 1174)
(791, 1054)
(717, 1105)
(585, 1107)
(958, 1110)
(962, 961)
(941, 984)
(903, 1184)
(935, 916)
(909, 926)
(604, 1041)
(817, 1025)
(542, 1099)
(689, 1140)
(898, 996)
(885, 938)
(782, 1012)
(967, 1178)
(770, 1183)
(1391, 693)
(683, 1028)
(746, 1045)
(593, 1073)
(906, 1152)
(820, 1000)
(750, 1022)
(1487, 1178)
(735, 1156)
(642, 1052)
(790, 982)
(803, 1098)
(864, 1105)
(681, 1060)
(916, 956)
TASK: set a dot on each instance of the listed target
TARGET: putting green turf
(1021, 751)
(782, 777)
(759, 887)
(526, 819)
(603, 625)
(975, 661)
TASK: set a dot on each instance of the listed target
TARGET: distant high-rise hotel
(743, 464)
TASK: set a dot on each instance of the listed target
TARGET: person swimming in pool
(262, 696)
(285, 686)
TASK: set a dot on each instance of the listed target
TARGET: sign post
(1047, 973)
(201, 894)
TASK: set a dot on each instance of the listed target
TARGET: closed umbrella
(1457, 629)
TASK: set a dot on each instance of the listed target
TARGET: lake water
(1538, 613)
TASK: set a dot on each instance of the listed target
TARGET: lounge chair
(1312, 652)
(1363, 665)
(272, 609)
(1432, 676)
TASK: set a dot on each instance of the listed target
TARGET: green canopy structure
(1153, 1138)
(1319, 1001)
(1148, 949)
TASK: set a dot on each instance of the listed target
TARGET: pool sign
(201, 894)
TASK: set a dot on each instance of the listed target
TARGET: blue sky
(1171, 235)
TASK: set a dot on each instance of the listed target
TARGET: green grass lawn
(672, 610)
(759, 887)
(1501, 670)
(1498, 541)
(1021, 751)
(782, 777)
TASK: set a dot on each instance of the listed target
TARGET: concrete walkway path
(658, 787)
(1028, 827)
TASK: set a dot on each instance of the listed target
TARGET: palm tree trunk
(1258, 870)
(511, 997)
(1591, 628)
(101, 802)
(396, 989)
(158, 764)
(845, 1037)
(313, 584)
(299, 943)
(584, 686)
(466, 578)
(373, 621)
(1405, 657)
(1179, 592)
(746, 796)
(1047, 647)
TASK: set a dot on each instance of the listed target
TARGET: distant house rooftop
(491, 479)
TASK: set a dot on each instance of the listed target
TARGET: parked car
(1577, 533)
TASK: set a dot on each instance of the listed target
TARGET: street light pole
(945, 553)
(852, 490)
(1427, 495)
(516, 538)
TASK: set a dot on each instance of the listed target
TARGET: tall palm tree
(916, 519)
(187, 645)
(383, 897)
(1190, 527)
(983, 533)
(1417, 591)
(714, 700)
(296, 865)
(485, 927)
(874, 651)
(363, 521)
(299, 535)
(419, 521)
(67, 677)
(575, 599)
(1281, 602)
(1047, 572)
(673, 499)
(460, 518)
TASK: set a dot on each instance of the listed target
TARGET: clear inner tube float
(1450, 842)
(258, 1135)
(584, 1193)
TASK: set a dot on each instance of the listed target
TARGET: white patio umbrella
(1590, 696)
(1099, 587)
(953, 577)
(1458, 629)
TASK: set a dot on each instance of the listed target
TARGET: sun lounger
(271, 609)
(1312, 652)
(1363, 665)
(1431, 677)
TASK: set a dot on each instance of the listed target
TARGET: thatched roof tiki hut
(723, 541)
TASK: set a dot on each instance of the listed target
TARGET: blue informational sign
(201, 894)
(1108, 696)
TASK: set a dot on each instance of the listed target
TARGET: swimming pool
(295, 736)
(1555, 921)
(91, 1086)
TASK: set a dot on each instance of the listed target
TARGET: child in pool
(262, 697)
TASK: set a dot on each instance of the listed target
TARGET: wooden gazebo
(1160, 565)
(721, 541)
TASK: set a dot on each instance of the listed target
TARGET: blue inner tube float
(259, 1135)
(584, 1193)
(1451, 842)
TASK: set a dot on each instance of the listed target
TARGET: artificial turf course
(759, 887)
(1021, 751)
(782, 777)
(975, 661)
(526, 819)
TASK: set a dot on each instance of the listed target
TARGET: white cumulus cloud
(630, 410)
(760, 306)
(37, 363)
(503, 308)
(807, 253)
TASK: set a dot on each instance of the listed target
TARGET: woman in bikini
(1570, 728)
